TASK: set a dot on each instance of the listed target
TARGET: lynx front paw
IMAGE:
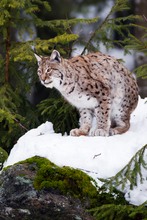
(78, 132)
(113, 131)
(99, 132)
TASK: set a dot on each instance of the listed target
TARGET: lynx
(98, 85)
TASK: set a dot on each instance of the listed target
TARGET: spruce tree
(15, 75)
(18, 65)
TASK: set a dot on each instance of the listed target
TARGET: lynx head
(50, 69)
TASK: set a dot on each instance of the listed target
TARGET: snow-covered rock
(100, 157)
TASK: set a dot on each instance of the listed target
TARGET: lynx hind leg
(85, 121)
(120, 125)
(102, 115)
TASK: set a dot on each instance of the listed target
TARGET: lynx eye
(39, 72)
(49, 71)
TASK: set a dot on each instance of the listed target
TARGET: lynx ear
(38, 58)
(55, 56)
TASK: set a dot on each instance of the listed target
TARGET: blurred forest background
(117, 27)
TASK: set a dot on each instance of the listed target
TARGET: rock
(19, 198)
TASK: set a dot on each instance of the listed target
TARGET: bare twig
(22, 126)
(96, 155)
(145, 18)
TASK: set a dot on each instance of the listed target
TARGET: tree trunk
(7, 58)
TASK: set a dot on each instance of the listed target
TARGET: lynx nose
(45, 81)
(43, 78)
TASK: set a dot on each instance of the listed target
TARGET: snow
(99, 157)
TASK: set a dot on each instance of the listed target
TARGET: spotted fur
(98, 85)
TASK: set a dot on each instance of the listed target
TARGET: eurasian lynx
(98, 85)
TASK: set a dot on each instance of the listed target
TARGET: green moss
(65, 180)
(69, 181)
(3, 156)
(39, 161)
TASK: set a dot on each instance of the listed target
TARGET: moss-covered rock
(64, 180)
(38, 189)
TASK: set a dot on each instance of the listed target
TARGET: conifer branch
(110, 24)
(120, 212)
(95, 32)
(130, 174)
(117, 7)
